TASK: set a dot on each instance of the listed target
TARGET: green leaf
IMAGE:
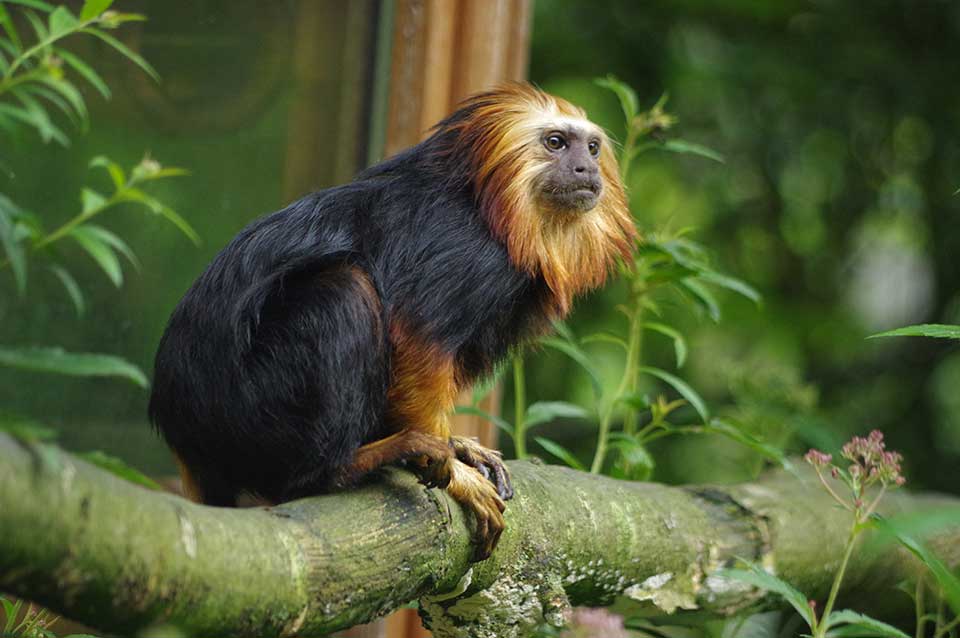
(757, 577)
(36, 116)
(100, 251)
(626, 95)
(703, 297)
(939, 331)
(126, 52)
(7, 45)
(681, 387)
(116, 19)
(664, 273)
(54, 98)
(116, 172)
(679, 343)
(949, 583)
(691, 148)
(11, 31)
(580, 357)
(564, 331)
(157, 207)
(118, 467)
(139, 175)
(605, 337)
(59, 361)
(731, 283)
(638, 402)
(70, 93)
(11, 246)
(33, 4)
(719, 426)
(560, 452)
(37, 24)
(25, 430)
(114, 242)
(91, 201)
(546, 411)
(93, 8)
(634, 463)
(72, 288)
(11, 611)
(497, 421)
(86, 71)
(861, 625)
(61, 22)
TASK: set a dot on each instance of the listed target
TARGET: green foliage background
(838, 123)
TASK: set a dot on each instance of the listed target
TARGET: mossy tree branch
(119, 557)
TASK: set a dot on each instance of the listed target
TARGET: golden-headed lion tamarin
(331, 337)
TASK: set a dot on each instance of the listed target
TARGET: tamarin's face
(570, 180)
(548, 183)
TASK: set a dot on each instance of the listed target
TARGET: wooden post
(444, 50)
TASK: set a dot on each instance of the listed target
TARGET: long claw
(488, 462)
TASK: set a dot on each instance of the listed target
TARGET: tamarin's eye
(594, 148)
(555, 142)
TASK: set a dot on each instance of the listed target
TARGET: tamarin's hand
(331, 338)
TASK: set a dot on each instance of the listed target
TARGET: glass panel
(260, 101)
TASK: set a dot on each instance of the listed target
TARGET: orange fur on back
(573, 251)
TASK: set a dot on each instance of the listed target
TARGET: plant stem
(918, 607)
(602, 435)
(634, 349)
(835, 496)
(627, 156)
(946, 629)
(823, 624)
(42, 44)
(519, 408)
(7, 84)
(68, 226)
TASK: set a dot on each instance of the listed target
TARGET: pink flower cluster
(870, 463)
(871, 460)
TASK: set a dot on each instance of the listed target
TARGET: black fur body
(274, 368)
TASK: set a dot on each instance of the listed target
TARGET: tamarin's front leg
(422, 392)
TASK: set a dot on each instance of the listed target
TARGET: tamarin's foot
(486, 461)
(435, 472)
(471, 489)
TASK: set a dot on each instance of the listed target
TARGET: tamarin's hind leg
(436, 462)
(188, 484)
(486, 461)
(201, 488)
(432, 455)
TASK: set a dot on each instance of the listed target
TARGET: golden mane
(501, 130)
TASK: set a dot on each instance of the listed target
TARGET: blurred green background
(838, 122)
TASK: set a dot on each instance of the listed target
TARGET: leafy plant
(939, 331)
(36, 83)
(871, 466)
(664, 264)
(34, 623)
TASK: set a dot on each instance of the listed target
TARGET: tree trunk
(118, 557)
